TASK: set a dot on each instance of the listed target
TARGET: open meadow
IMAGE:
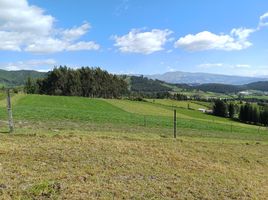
(81, 148)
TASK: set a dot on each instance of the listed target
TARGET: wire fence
(129, 122)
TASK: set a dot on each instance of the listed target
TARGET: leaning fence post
(175, 124)
(9, 110)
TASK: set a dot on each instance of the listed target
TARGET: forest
(247, 112)
(86, 82)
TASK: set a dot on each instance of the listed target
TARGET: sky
(136, 36)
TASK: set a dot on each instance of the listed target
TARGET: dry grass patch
(102, 167)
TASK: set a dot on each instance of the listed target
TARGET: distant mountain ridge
(199, 81)
(143, 84)
(204, 78)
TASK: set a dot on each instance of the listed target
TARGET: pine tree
(220, 108)
(87, 82)
(231, 110)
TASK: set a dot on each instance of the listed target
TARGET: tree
(29, 86)
(255, 117)
(231, 110)
(264, 116)
(242, 113)
(250, 113)
(87, 82)
(220, 108)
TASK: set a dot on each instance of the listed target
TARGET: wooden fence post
(9, 110)
(175, 123)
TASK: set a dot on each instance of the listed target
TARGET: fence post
(175, 123)
(9, 110)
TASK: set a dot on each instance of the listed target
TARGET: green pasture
(125, 113)
(82, 148)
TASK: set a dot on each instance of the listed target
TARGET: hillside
(224, 88)
(150, 85)
(220, 88)
(143, 84)
(85, 148)
(261, 86)
(202, 78)
(17, 78)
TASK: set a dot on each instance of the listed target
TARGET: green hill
(85, 148)
(143, 84)
(261, 86)
(220, 88)
(17, 78)
(140, 83)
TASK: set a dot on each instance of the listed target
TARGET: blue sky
(136, 36)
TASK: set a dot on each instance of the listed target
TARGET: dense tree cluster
(180, 97)
(231, 110)
(86, 82)
(219, 88)
(220, 108)
(248, 112)
(253, 114)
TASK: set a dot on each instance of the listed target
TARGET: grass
(124, 113)
(139, 107)
(178, 104)
(109, 166)
(80, 148)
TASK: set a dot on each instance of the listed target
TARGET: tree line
(86, 82)
(253, 114)
(248, 113)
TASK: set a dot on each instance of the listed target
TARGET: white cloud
(170, 69)
(236, 40)
(259, 71)
(20, 16)
(223, 66)
(43, 65)
(241, 34)
(25, 27)
(76, 32)
(83, 45)
(235, 69)
(242, 66)
(210, 65)
(142, 42)
(46, 45)
(264, 20)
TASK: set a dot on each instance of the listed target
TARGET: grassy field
(124, 113)
(179, 104)
(80, 148)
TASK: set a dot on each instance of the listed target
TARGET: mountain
(220, 88)
(203, 78)
(145, 85)
(163, 83)
(16, 78)
(261, 86)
